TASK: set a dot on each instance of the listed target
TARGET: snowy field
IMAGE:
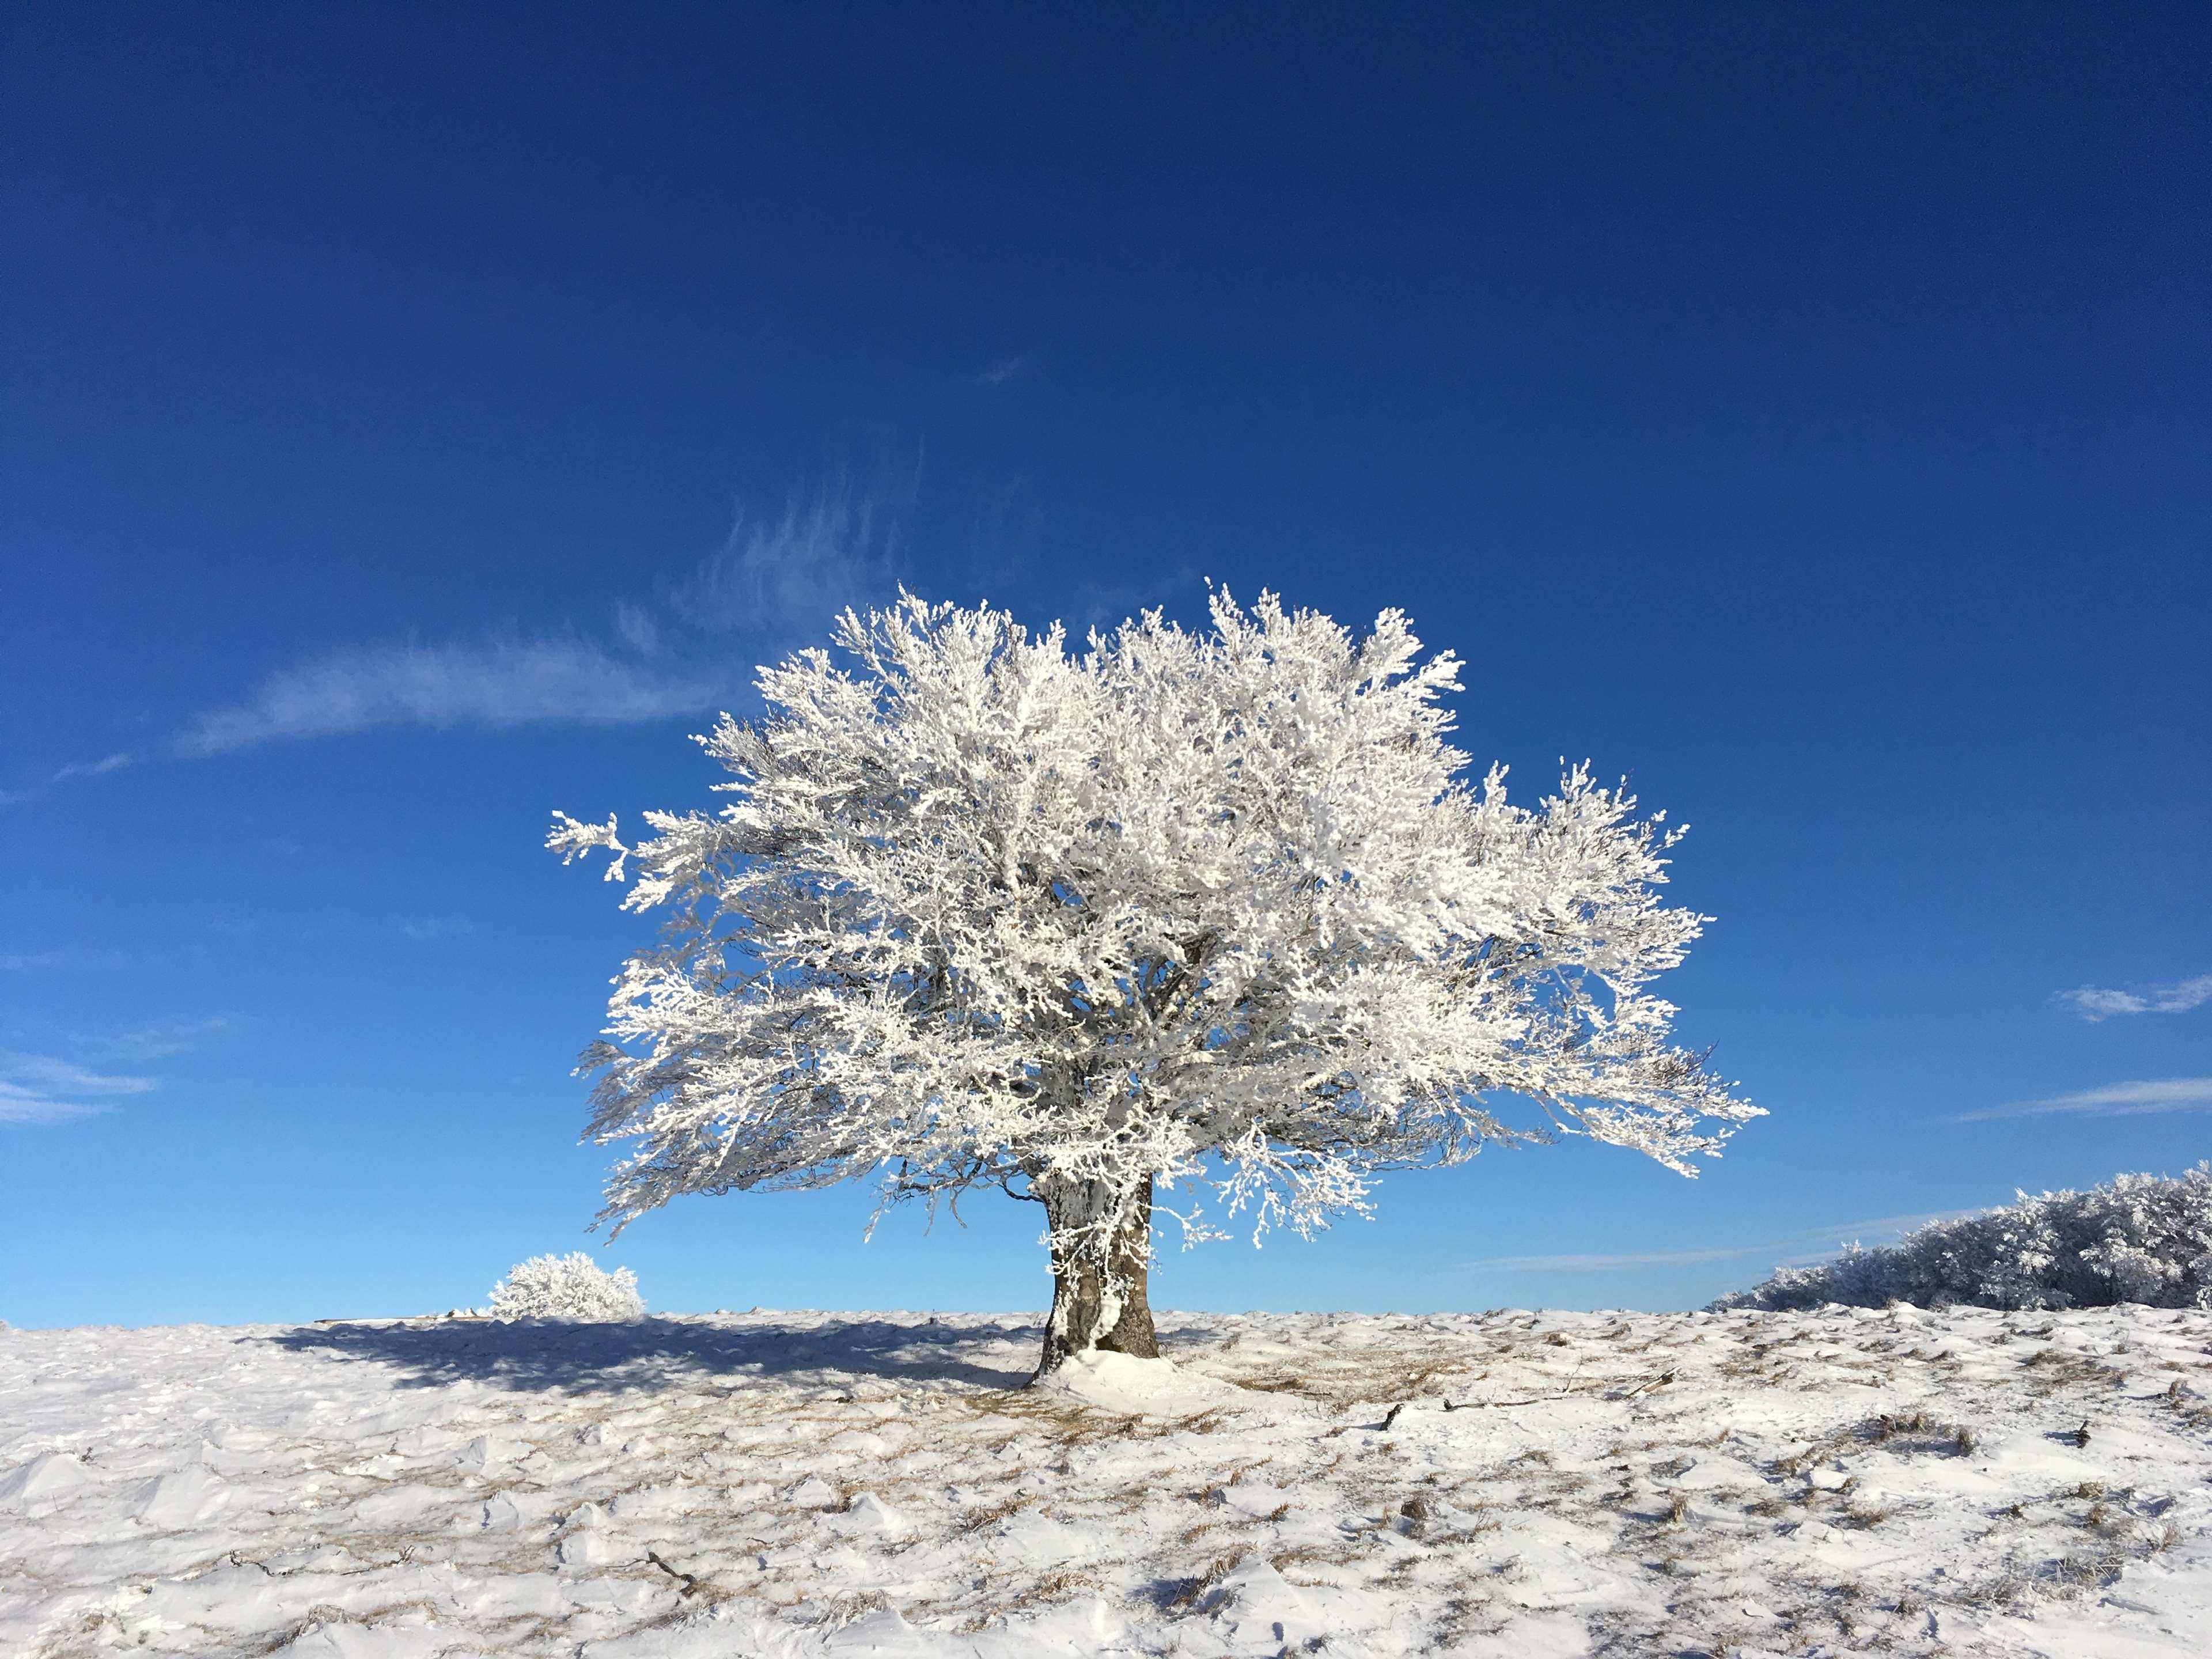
(798, 1484)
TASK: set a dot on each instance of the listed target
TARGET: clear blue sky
(417, 419)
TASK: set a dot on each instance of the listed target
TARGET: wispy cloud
(772, 578)
(998, 372)
(486, 684)
(126, 1044)
(1886, 1226)
(93, 768)
(1884, 1230)
(837, 546)
(45, 1071)
(39, 1088)
(163, 1038)
(428, 929)
(1601, 1263)
(2094, 1003)
(1830, 1240)
(37, 962)
(2173, 1093)
(72, 771)
(637, 628)
(20, 1105)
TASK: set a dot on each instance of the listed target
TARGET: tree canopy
(1221, 907)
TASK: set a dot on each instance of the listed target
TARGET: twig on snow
(690, 1579)
(1532, 1400)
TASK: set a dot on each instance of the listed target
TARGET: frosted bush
(572, 1286)
(2141, 1239)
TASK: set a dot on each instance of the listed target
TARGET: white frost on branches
(2140, 1239)
(1218, 905)
(572, 1286)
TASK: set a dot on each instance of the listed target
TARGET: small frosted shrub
(2140, 1239)
(572, 1286)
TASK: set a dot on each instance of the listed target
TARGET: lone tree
(1214, 907)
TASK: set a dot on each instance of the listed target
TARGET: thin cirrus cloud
(486, 684)
(426, 930)
(93, 768)
(164, 1038)
(1884, 1230)
(826, 549)
(2171, 1094)
(2094, 1003)
(1832, 1242)
(39, 962)
(39, 1088)
(74, 770)
(1602, 1263)
(773, 576)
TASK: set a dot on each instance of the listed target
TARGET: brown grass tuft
(1192, 1589)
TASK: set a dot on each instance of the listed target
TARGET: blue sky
(417, 421)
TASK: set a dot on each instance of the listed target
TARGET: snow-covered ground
(797, 1484)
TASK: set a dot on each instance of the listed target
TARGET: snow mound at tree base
(1140, 1388)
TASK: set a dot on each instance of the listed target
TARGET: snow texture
(786, 1486)
(572, 1286)
(2140, 1238)
(1221, 907)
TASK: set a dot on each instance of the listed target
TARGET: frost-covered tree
(572, 1286)
(2138, 1238)
(1216, 908)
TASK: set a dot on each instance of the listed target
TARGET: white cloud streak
(93, 768)
(428, 929)
(1833, 1237)
(19, 1105)
(1600, 1263)
(39, 962)
(165, 1038)
(2095, 1004)
(1886, 1226)
(637, 629)
(2173, 1093)
(839, 546)
(39, 1088)
(68, 773)
(488, 685)
(1887, 1229)
(772, 578)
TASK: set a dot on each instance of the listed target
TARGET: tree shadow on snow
(658, 1353)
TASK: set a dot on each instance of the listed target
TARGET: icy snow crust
(836, 1484)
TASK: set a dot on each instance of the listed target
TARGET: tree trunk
(1102, 1239)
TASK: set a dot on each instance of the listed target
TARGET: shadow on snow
(674, 1354)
